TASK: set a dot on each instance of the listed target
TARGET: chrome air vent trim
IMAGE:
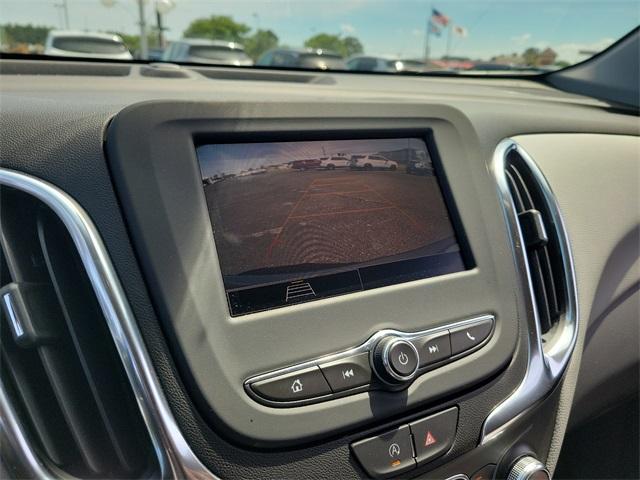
(546, 362)
(175, 457)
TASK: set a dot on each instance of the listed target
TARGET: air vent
(59, 366)
(42, 65)
(265, 75)
(544, 268)
(541, 241)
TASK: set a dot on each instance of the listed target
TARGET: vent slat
(544, 257)
(515, 193)
(78, 302)
(523, 192)
(44, 417)
(550, 284)
(540, 290)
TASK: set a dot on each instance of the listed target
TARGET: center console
(336, 277)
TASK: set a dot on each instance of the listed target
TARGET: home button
(300, 385)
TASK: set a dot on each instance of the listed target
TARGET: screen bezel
(152, 159)
(426, 136)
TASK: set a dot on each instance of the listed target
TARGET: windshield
(481, 37)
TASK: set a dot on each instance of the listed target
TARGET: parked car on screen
(337, 161)
(420, 168)
(252, 171)
(372, 162)
(69, 43)
(212, 180)
(214, 52)
(308, 164)
(318, 59)
(367, 63)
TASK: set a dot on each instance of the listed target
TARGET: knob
(528, 468)
(395, 360)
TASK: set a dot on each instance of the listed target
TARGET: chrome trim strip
(175, 457)
(15, 450)
(546, 362)
(370, 343)
(16, 324)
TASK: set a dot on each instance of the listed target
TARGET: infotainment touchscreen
(299, 221)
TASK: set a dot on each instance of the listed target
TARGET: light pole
(162, 7)
(65, 12)
(144, 41)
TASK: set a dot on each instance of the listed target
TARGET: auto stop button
(386, 455)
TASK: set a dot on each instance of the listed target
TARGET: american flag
(434, 29)
(439, 17)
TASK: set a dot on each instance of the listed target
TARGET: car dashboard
(132, 345)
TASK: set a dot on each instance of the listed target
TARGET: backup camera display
(299, 221)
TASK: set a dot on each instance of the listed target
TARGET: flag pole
(449, 28)
(426, 43)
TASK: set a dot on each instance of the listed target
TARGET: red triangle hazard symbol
(430, 440)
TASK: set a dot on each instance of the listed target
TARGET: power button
(395, 360)
(403, 358)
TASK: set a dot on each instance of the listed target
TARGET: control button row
(333, 377)
(396, 361)
(443, 345)
(408, 446)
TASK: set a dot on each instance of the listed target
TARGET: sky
(234, 158)
(385, 27)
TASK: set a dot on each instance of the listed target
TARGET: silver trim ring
(525, 467)
(547, 362)
(175, 457)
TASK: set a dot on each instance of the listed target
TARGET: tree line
(220, 27)
(11, 34)
(215, 27)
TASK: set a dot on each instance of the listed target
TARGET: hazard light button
(434, 435)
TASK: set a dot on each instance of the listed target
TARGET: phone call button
(469, 336)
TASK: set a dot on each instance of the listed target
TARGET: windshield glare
(482, 37)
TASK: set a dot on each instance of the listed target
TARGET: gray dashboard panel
(151, 153)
